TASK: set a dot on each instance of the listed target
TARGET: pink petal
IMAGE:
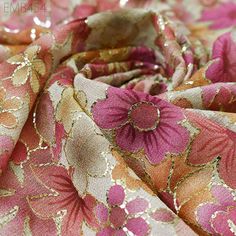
(221, 222)
(106, 232)
(138, 226)
(227, 167)
(116, 195)
(137, 205)
(204, 214)
(163, 215)
(223, 195)
(117, 217)
(167, 138)
(215, 71)
(129, 138)
(112, 112)
(101, 213)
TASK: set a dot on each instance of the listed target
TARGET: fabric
(118, 117)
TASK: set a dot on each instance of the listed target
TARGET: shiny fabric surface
(118, 117)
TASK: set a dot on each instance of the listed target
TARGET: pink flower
(141, 121)
(220, 97)
(214, 141)
(221, 16)
(219, 217)
(223, 68)
(118, 217)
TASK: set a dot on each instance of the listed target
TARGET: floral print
(120, 122)
(222, 68)
(219, 217)
(118, 218)
(16, 215)
(64, 196)
(220, 97)
(142, 120)
(214, 141)
(28, 67)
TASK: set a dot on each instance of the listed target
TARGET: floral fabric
(118, 117)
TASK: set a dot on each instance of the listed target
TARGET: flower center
(144, 116)
(27, 62)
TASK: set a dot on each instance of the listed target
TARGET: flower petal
(34, 82)
(12, 104)
(7, 120)
(141, 230)
(113, 111)
(224, 223)
(222, 195)
(16, 60)
(227, 167)
(20, 75)
(31, 52)
(102, 213)
(129, 138)
(209, 143)
(137, 205)
(39, 66)
(116, 195)
(163, 215)
(204, 214)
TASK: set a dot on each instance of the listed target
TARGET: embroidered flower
(221, 16)
(29, 67)
(214, 141)
(65, 198)
(119, 219)
(223, 67)
(7, 106)
(142, 121)
(218, 217)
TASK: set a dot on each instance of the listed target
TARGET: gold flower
(7, 105)
(29, 66)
